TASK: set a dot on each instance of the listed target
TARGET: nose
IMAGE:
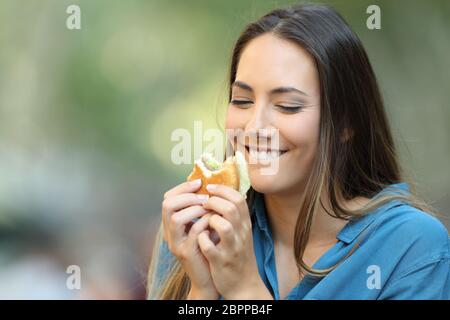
(259, 118)
(259, 126)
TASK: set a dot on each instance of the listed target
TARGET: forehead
(268, 62)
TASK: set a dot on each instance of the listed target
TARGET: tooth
(264, 155)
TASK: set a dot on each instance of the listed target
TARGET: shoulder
(164, 261)
(408, 235)
(414, 226)
(164, 253)
(415, 253)
(409, 246)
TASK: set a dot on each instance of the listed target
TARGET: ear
(347, 134)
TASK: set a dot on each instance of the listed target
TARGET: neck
(282, 214)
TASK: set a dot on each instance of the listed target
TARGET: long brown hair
(356, 156)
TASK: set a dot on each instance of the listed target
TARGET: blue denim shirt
(404, 254)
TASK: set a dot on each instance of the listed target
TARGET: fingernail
(196, 182)
(211, 187)
(202, 197)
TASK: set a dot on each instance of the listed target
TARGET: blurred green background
(86, 118)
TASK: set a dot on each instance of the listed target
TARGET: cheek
(235, 118)
(303, 132)
(305, 139)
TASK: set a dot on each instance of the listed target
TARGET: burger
(233, 172)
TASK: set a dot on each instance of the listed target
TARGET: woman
(337, 220)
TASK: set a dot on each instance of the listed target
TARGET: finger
(185, 187)
(179, 220)
(225, 208)
(207, 247)
(224, 229)
(198, 226)
(229, 194)
(180, 202)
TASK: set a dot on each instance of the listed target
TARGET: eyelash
(295, 109)
(240, 102)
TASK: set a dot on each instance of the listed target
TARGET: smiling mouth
(264, 154)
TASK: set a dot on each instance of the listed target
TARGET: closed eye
(292, 109)
(285, 109)
(241, 102)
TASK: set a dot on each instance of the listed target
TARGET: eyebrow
(245, 86)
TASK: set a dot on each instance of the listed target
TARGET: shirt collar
(259, 212)
(357, 225)
(352, 229)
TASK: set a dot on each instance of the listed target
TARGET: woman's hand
(179, 208)
(232, 261)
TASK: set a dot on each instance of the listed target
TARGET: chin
(275, 184)
(264, 183)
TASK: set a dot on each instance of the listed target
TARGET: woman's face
(276, 87)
